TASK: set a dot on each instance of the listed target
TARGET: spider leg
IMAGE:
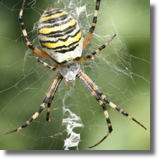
(93, 93)
(45, 64)
(93, 25)
(45, 100)
(33, 48)
(99, 92)
(96, 51)
(51, 98)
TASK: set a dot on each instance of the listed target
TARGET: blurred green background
(122, 71)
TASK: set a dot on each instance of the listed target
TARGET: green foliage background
(132, 21)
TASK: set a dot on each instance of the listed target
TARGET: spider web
(121, 71)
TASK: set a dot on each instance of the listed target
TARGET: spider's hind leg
(96, 51)
(28, 43)
(93, 25)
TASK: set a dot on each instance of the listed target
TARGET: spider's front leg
(50, 100)
(95, 91)
(56, 80)
(97, 98)
(99, 92)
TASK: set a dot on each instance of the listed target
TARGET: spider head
(69, 72)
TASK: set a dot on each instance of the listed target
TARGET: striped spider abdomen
(60, 36)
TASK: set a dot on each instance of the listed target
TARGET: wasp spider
(61, 40)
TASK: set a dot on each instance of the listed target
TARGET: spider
(61, 40)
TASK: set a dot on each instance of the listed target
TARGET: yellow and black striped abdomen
(60, 36)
